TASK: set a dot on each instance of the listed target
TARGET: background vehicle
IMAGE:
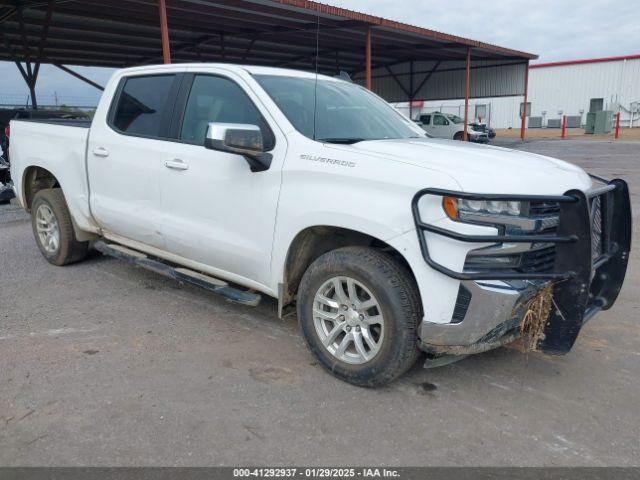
(4, 139)
(445, 125)
(315, 191)
(6, 186)
(483, 127)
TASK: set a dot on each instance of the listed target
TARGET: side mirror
(241, 139)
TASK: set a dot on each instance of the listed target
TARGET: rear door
(125, 156)
(218, 212)
(426, 122)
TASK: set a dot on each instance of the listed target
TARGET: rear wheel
(358, 310)
(53, 228)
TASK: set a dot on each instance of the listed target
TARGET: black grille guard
(583, 285)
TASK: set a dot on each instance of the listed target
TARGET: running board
(179, 273)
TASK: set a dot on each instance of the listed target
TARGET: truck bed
(56, 145)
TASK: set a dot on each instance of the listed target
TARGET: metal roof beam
(78, 76)
(399, 83)
(425, 79)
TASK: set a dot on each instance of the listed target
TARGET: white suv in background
(446, 125)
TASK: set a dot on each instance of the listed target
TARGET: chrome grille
(596, 227)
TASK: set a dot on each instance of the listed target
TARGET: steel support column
(466, 95)
(31, 69)
(523, 123)
(368, 59)
(411, 92)
(164, 31)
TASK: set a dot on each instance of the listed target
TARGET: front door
(218, 212)
(124, 158)
(440, 127)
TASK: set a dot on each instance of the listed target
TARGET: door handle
(176, 165)
(100, 152)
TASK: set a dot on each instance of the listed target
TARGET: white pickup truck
(313, 190)
(446, 125)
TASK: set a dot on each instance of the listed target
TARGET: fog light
(494, 261)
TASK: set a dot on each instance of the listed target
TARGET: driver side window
(220, 100)
(440, 120)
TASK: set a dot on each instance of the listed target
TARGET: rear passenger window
(426, 119)
(218, 99)
(141, 105)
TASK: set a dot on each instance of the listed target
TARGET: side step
(179, 273)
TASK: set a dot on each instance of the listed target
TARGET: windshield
(454, 118)
(346, 113)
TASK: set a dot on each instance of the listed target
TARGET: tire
(50, 204)
(458, 136)
(376, 277)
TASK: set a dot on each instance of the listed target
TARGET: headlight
(458, 208)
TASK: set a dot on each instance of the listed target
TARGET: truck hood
(480, 168)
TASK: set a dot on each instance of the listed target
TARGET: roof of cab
(251, 69)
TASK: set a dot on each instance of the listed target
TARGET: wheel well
(36, 179)
(313, 242)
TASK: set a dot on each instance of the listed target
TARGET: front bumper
(479, 138)
(585, 279)
(492, 318)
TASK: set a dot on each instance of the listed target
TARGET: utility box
(596, 105)
(599, 123)
(590, 127)
(603, 122)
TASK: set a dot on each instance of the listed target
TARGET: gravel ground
(103, 363)
(571, 133)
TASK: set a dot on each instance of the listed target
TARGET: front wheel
(459, 136)
(53, 228)
(358, 310)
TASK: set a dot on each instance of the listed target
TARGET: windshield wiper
(345, 141)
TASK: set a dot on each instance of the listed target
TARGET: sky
(552, 29)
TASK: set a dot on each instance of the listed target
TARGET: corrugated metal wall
(488, 78)
(567, 88)
(570, 88)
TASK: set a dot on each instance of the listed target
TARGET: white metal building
(557, 89)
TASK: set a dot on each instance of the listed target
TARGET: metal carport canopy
(400, 62)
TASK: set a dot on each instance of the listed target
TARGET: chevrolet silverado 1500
(313, 190)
